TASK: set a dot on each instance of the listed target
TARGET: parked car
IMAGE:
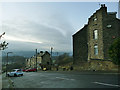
(23, 70)
(15, 72)
(31, 70)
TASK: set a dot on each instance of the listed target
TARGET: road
(49, 79)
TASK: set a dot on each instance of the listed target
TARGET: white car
(15, 72)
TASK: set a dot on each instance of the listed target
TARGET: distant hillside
(28, 54)
(20, 53)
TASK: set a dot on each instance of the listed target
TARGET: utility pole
(7, 63)
(30, 62)
(36, 60)
(99, 4)
(51, 58)
(51, 53)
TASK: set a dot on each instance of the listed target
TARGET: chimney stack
(102, 5)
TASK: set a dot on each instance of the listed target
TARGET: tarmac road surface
(50, 79)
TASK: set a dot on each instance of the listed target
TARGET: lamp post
(36, 60)
(7, 62)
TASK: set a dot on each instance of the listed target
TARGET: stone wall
(84, 41)
(80, 48)
(96, 23)
(110, 33)
(96, 65)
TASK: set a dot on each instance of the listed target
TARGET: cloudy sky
(41, 25)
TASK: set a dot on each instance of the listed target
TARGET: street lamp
(36, 60)
(7, 62)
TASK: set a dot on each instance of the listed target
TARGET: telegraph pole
(51, 52)
(51, 58)
(30, 62)
(99, 4)
(36, 60)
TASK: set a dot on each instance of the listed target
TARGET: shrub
(114, 51)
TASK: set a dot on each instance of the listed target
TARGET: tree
(114, 51)
(3, 45)
(14, 62)
(64, 59)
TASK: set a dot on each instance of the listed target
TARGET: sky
(42, 25)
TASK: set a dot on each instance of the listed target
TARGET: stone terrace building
(43, 61)
(94, 39)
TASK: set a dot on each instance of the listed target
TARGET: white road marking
(72, 79)
(42, 82)
(107, 84)
(64, 78)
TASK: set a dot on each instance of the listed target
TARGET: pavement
(6, 82)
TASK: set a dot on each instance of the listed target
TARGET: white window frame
(95, 19)
(95, 34)
(95, 49)
(109, 26)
